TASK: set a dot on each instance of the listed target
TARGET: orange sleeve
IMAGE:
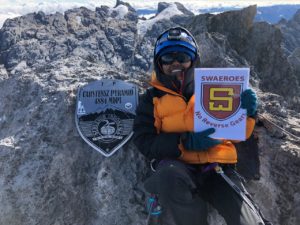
(157, 122)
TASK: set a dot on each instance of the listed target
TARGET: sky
(14, 8)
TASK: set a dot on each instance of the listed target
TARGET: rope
(150, 207)
(280, 128)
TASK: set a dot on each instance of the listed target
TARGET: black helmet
(176, 39)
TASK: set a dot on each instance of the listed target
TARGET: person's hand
(199, 141)
(249, 102)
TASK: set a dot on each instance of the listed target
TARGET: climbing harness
(154, 209)
(152, 166)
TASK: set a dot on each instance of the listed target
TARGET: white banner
(217, 101)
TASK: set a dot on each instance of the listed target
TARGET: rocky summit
(49, 175)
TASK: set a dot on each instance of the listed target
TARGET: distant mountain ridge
(270, 14)
(273, 14)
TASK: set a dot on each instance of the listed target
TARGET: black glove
(249, 102)
(199, 141)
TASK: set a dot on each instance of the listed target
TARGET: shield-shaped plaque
(105, 112)
(221, 101)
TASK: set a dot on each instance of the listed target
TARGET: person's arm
(249, 102)
(149, 142)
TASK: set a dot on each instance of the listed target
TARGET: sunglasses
(180, 57)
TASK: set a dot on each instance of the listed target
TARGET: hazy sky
(13, 8)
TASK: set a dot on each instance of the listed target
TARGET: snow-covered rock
(165, 14)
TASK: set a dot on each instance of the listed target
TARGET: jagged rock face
(48, 175)
(102, 35)
(291, 33)
(264, 50)
(294, 60)
(179, 6)
(235, 25)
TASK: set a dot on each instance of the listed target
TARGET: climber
(186, 162)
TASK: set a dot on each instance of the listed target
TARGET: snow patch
(21, 66)
(78, 19)
(144, 25)
(147, 16)
(121, 11)
(7, 142)
(3, 73)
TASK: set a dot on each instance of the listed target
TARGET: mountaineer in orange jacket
(163, 131)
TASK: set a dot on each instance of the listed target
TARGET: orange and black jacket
(162, 116)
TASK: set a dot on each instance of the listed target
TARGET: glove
(199, 141)
(249, 102)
